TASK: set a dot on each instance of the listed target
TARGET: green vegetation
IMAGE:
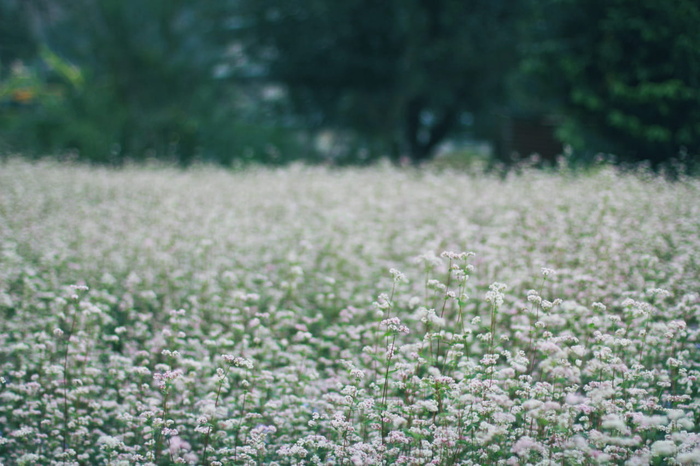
(273, 81)
(626, 74)
(397, 73)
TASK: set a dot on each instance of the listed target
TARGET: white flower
(525, 444)
(238, 361)
(494, 297)
(395, 325)
(398, 276)
(107, 441)
(663, 448)
(691, 457)
(615, 422)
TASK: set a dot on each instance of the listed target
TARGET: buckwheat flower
(141, 370)
(615, 422)
(495, 295)
(430, 260)
(394, 325)
(397, 276)
(499, 287)
(203, 429)
(428, 405)
(80, 287)
(691, 457)
(366, 405)
(660, 292)
(108, 442)
(489, 359)
(29, 458)
(549, 347)
(436, 285)
(449, 255)
(525, 445)
(547, 305)
(162, 379)
(382, 303)
(339, 422)
(176, 443)
(681, 419)
(533, 298)
(396, 436)
(349, 390)
(673, 362)
(238, 361)
(428, 316)
(531, 405)
(546, 272)
(23, 432)
(414, 302)
(655, 421)
(663, 448)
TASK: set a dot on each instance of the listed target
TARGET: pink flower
(526, 444)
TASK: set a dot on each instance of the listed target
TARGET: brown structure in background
(523, 136)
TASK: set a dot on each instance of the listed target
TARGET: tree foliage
(16, 40)
(112, 80)
(400, 73)
(148, 85)
(625, 74)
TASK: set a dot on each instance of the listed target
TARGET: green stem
(385, 388)
(66, 380)
(211, 428)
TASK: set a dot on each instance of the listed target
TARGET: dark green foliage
(397, 73)
(110, 81)
(626, 74)
(16, 41)
(129, 79)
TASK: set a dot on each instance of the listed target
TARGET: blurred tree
(398, 74)
(16, 39)
(626, 75)
(148, 68)
(120, 80)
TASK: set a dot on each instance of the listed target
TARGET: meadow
(310, 315)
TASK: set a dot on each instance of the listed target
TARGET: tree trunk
(422, 139)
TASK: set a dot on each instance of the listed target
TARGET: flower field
(347, 317)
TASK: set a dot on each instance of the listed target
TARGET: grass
(356, 316)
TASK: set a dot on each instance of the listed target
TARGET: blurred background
(351, 81)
